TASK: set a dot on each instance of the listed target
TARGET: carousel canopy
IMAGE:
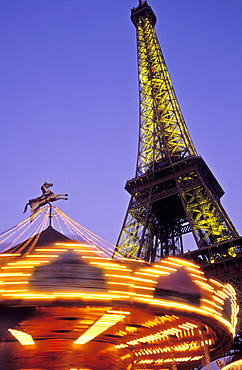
(61, 296)
(49, 224)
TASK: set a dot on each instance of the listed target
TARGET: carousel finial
(46, 197)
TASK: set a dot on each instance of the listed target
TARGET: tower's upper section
(163, 137)
(144, 11)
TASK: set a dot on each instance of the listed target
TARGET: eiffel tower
(173, 192)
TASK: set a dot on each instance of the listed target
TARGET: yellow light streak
(11, 274)
(13, 282)
(212, 303)
(173, 331)
(10, 255)
(42, 256)
(85, 251)
(116, 283)
(220, 293)
(171, 263)
(165, 267)
(120, 292)
(142, 287)
(119, 312)
(117, 269)
(184, 326)
(205, 286)
(196, 358)
(14, 290)
(199, 277)
(184, 262)
(193, 326)
(31, 294)
(11, 295)
(84, 295)
(216, 282)
(154, 271)
(121, 346)
(192, 346)
(133, 260)
(75, 245)
(25, 263)
(131, 278)
(202, 311)
(24, 338)
(50, 250)
(196, 270)
(218, 299)
(18, 267)
(109, 264)
(96, 258)
(91, 249)
(230, 288)
(149, 274)
(101, 325)
(177, 305)
(130, 293)
(38, 297)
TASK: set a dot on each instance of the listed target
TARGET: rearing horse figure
(47, 197)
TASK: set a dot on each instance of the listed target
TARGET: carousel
(67, 305)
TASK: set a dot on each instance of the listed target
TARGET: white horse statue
(47, 197)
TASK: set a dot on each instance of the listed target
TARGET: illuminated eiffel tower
(173, 192)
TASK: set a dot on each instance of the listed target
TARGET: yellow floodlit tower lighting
(173, 191)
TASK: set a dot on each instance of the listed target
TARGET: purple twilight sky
(69, 100)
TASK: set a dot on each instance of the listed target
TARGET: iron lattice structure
(173, 192)
(163, 135)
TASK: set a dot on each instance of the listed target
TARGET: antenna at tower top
(140, 2)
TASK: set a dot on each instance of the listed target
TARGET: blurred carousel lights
(165, 313)
(24, 338)
(159, 316)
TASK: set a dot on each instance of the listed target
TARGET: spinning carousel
(67, 305)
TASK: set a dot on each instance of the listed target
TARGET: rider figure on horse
(46, 197)
(45, 190)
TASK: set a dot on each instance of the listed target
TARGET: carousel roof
(49, 235)
(48, 225)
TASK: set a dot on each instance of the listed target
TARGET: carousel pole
(50, 215)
